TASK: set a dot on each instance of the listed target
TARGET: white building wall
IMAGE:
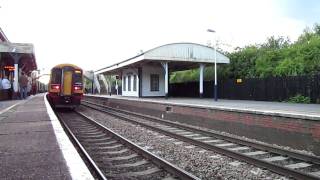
(126, 73)
(146, 72)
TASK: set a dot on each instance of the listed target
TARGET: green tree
(276, 57)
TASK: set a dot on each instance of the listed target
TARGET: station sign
(9, 68)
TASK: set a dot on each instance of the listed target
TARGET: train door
(77, 82)
(55, 81)
(67, 82)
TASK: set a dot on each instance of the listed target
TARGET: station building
(147, 74)
(15, 58)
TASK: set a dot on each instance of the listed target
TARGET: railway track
(111, 156)
(284, 162)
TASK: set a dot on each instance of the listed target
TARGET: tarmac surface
(33, 144)
(295, 110)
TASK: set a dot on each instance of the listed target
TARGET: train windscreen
(77, 77)
(56, 76)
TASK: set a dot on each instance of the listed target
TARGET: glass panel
(135, 83)
(56, 76)
(129, 83)
(154, 82)
(124, 83)
(77, 77)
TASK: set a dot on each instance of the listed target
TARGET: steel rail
(174, 170)
(83, 151)
(264, 164)
(296, 155)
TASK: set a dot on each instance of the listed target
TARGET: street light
(215, 68)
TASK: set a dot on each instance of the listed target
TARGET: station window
(124, 83)
(154, 82)
(134, 82)
(129, 83)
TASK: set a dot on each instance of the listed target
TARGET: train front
(66, 86)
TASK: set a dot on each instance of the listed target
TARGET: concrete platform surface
(5, 105)
(33, 144)
(295, 110)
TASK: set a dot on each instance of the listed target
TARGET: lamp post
(215, 68)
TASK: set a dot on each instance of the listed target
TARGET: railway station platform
(285, 124)
(295, 110)
(33, 144)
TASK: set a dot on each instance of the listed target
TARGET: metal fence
(262, 89)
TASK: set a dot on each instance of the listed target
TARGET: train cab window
(77, 77)
(56, 76)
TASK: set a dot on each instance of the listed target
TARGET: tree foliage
(276, 57)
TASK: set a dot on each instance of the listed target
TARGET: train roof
(66, 64)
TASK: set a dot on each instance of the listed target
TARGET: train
(65, 86)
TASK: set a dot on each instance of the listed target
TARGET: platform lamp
(215, 68)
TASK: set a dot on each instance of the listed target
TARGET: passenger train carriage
(66, 86)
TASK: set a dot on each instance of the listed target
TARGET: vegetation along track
(114, 157)
(284, 162)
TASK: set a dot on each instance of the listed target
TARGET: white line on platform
(18, 103)
(8, 108)
(76, 166)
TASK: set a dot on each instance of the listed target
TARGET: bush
(299, 99)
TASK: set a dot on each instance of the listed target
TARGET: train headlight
(77, 88)
(55, 86)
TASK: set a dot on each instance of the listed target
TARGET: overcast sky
(97, 33)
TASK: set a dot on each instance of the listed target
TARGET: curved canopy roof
(177, 54)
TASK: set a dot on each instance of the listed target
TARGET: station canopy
(25, 51)
(180, 56)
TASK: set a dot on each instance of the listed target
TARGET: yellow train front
(66, 86)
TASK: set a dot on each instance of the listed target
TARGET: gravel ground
(204, 164)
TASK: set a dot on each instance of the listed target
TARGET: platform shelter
(147, 74)
(15, 58)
